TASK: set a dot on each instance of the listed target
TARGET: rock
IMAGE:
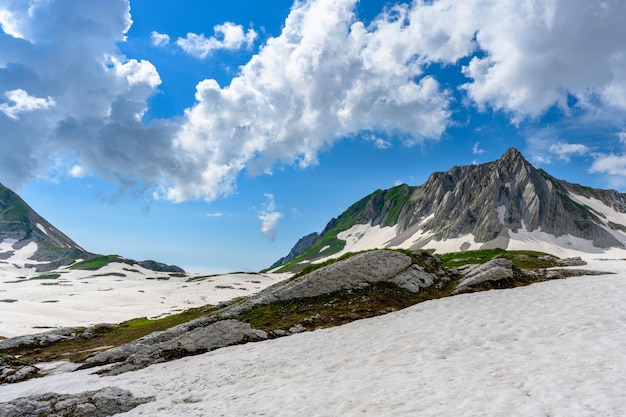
(576, 261)
(298, 328)
(38, 340)
(175, 343)
(494, 270)
(414, 278)
(101, 403)
(356, 272)
(12, 371)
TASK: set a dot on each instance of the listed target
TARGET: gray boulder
(177, 342)
(101, 403)
(494, 270)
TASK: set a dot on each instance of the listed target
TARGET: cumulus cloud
(20, 101)
(327, 76)
(227, 36)
(68, 91)
(159, 39)
(269, 217)
(565, 151)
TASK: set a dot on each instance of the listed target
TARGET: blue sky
(213, 135)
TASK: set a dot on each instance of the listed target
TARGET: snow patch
(554, 348)
(363, 237)
(43, 229)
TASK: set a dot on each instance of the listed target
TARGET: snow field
(551, 349)
(82, 298)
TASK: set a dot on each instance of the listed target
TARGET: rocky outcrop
(301, 245)
(199, 336)
(355, 272)
(38, 340)
(12, 371)
(221, 329)
(495, 270)
(101, 403)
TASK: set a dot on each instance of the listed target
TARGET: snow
(363, 237)
(14, 265)
(43, 229)
(112, 294)
(609, 214)
(550, 349)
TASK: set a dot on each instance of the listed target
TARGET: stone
(101, 403)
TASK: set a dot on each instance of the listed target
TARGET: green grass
(77, 350)
(47, 276)
(338, 308)
(96, 263)
(521, 258)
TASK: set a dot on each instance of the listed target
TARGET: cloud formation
(159, 39)
(67, 92)
(269, 216)
(227, 36)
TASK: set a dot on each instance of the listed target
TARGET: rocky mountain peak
(489, 205)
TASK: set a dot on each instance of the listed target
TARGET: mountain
(506, 204)
(28, 236)
(28, 241)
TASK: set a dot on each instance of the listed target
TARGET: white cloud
(565, 151)
(610, 164)
(536, 54)
(227, 36)
(20, 101)
(326, 77)
(269, 217)
(77, 171)
(70, 92)
(216, 214)
(159, 39)
(476, 149)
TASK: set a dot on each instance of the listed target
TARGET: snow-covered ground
(551, 349)
(111, 294)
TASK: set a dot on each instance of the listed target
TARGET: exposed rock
(38, 340)
(489, 202)
(352, 273)
(195, 337)
(14, 371)
(301, 245)
(414, 278)
(496, 269)
(577, 261)
(101, 403)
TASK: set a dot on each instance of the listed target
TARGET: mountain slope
(506, 203)
(31, 239)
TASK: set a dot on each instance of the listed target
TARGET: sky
(213, 135)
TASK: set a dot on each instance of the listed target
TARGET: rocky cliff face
(491, 204)
(21, 226)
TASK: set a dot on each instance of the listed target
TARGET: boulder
(175, 343)
(101, 403)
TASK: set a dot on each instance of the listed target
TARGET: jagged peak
(512, 155)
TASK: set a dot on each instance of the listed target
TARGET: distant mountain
(23, 230)
(506, 204)
(28, 241)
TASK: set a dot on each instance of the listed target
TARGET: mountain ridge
(506, 203)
